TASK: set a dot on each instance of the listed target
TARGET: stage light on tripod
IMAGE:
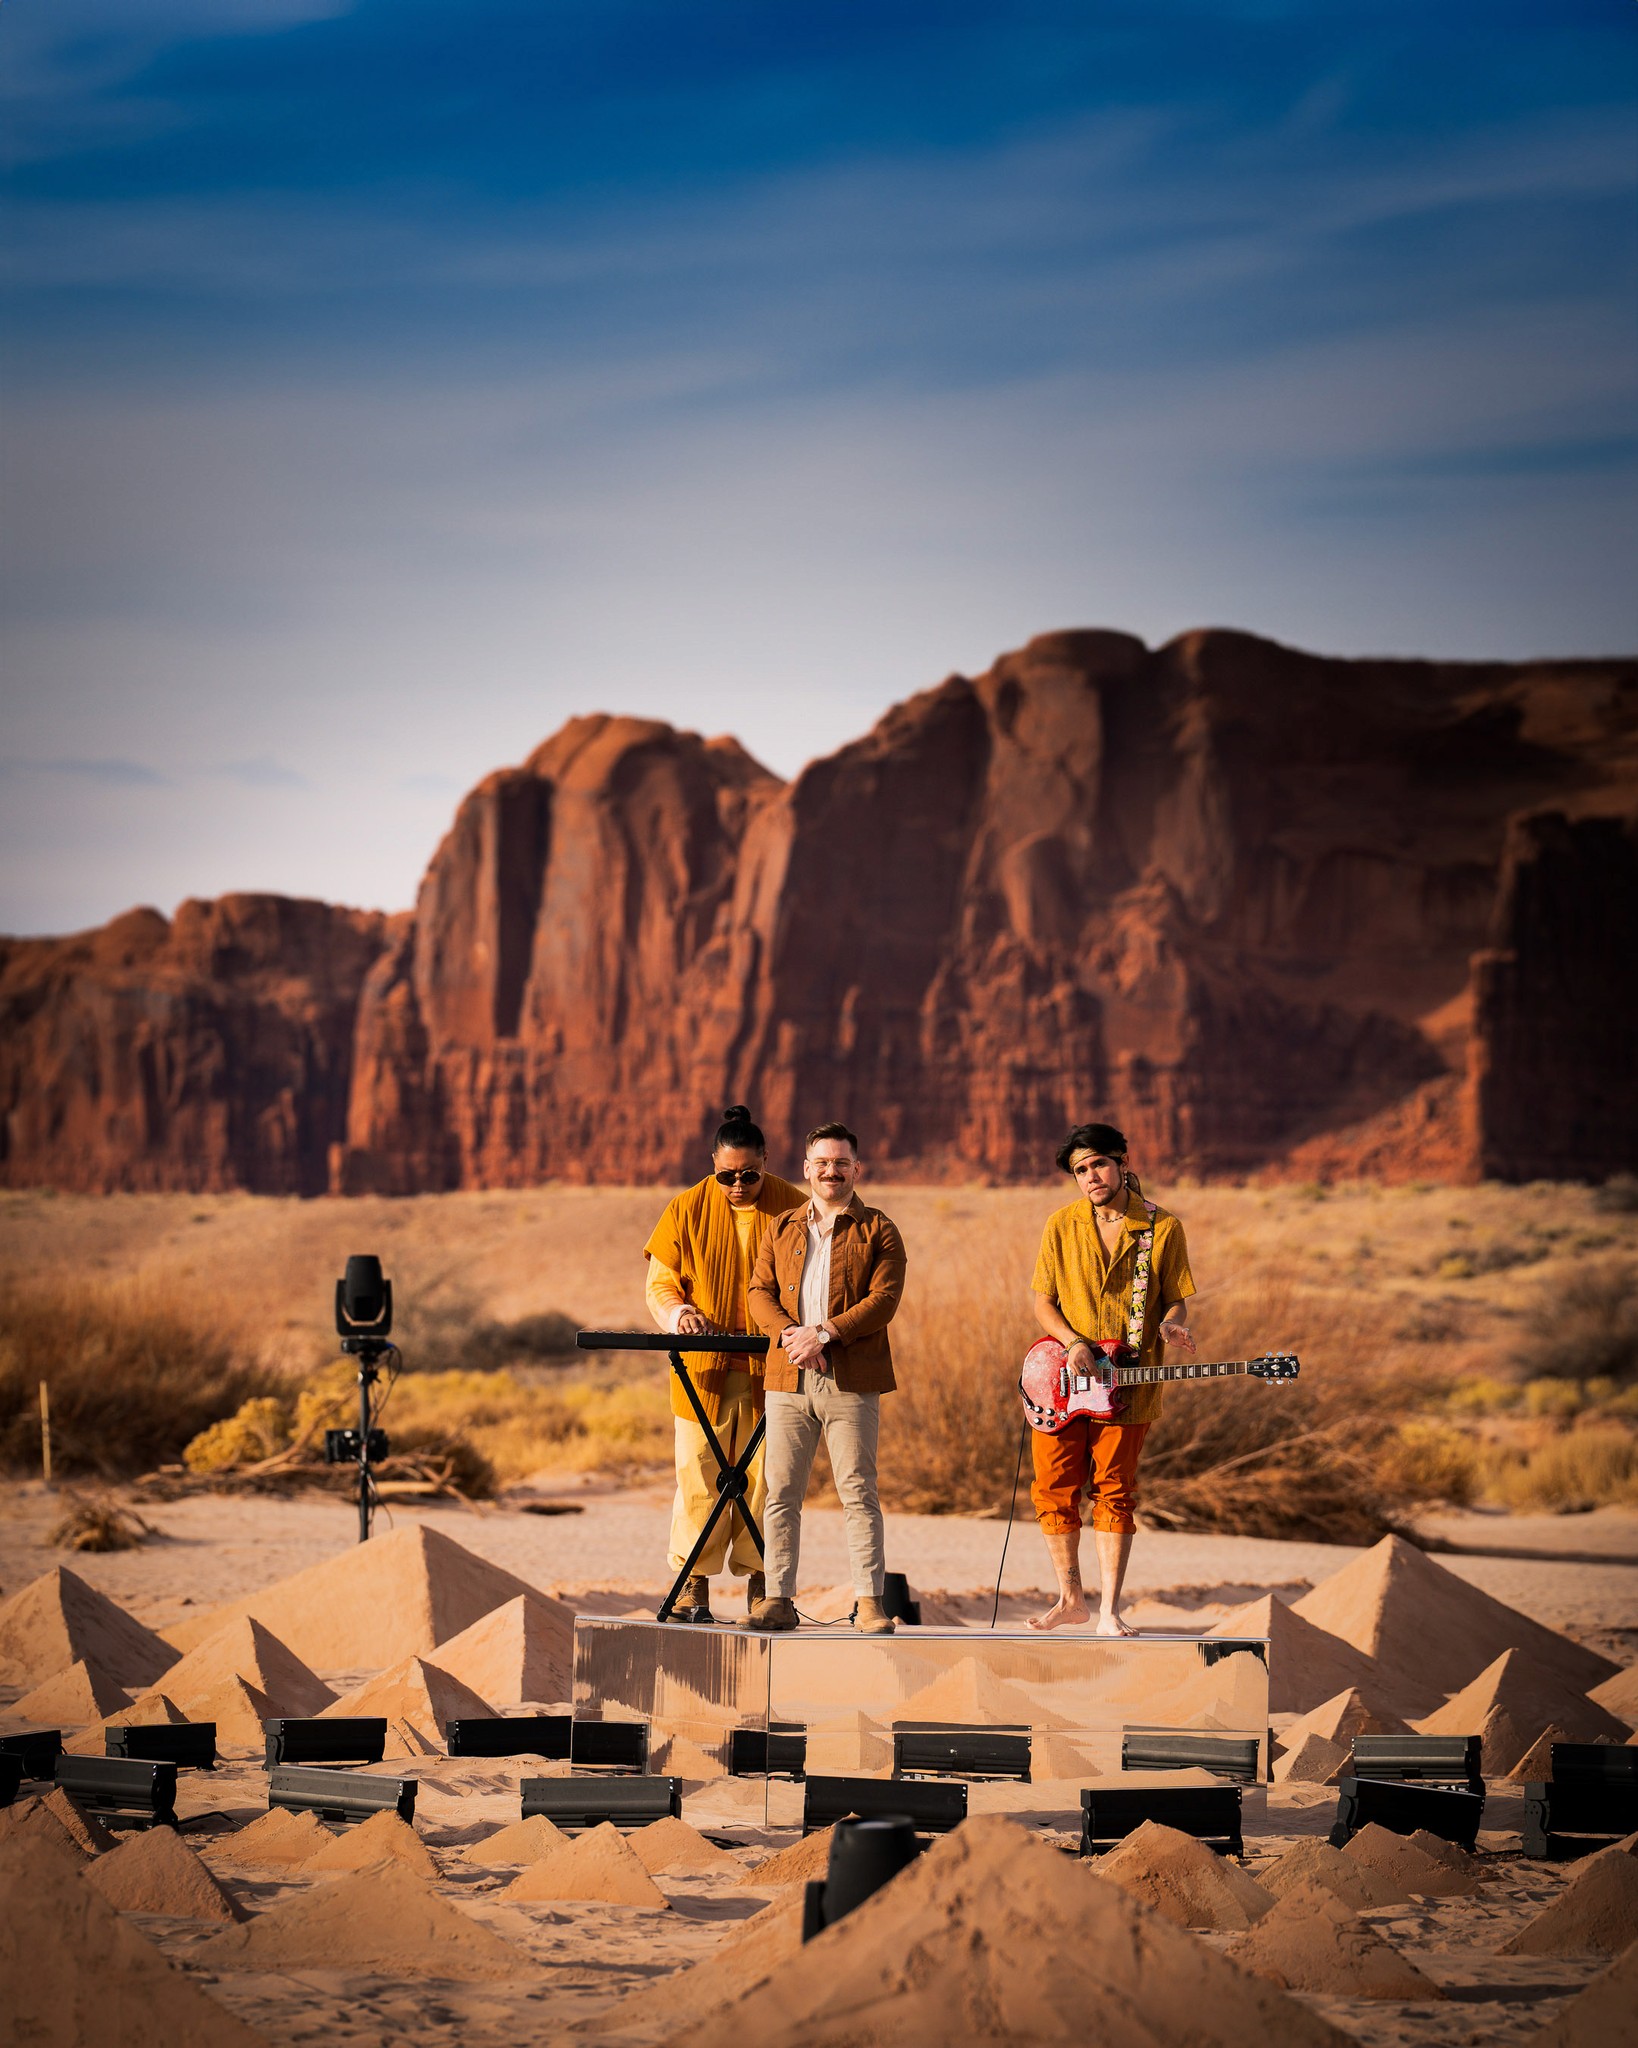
(364, 1298)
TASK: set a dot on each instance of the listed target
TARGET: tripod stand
(733, 1478)
(366, 1443)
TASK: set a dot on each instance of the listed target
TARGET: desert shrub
(580, 1423)
(1585, 1326)
(1473, 1261)
(1618, 1196)
(136, 1368)
(1594, 1466)
(259, 1429)
(451, 1336)
(1483, 1396)
(100, 1525)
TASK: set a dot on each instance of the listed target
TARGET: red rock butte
(1265, 910)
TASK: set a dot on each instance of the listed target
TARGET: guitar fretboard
(1146, 1375)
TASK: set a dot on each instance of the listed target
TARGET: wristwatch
(823, 1333)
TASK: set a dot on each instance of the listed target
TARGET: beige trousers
(697, 1491)
(850, 1425)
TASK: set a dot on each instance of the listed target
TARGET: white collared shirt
(813, 1296)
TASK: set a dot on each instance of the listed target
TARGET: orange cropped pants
(1100, 1456)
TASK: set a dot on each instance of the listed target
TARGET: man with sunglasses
(700, 1259)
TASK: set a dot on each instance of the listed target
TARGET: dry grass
(1423, 1317)
(135, 1369)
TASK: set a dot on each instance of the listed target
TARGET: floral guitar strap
(1145, 1242)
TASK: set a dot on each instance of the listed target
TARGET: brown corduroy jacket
(866, 1280)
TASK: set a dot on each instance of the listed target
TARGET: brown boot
(695, 1603)
(773, 1615)
(871, 1618)
(756, 1591)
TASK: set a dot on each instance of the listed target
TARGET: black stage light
(11, 1776)
(1590, 1800)
(932, 1807)
(926, 1751)
(191, 1745)
(1420, 1759)
(1184, 1749)
(1211, 1813)
(338, 1795)
(1442, 1809)
(609, 1746)
(345, 1739)
(38, 1747)
(364, 1322)
(576, 1803)
(545, 1735)
(768, 1753)
(896, 1599)
(864, 1855)
(108, 1785)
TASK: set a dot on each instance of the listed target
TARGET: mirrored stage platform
(1084, 1701)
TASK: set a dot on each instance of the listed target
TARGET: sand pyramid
(1312, 1941)
(1515, 1689)
(420, 1696)
(237, 1709)
(1305, 1664)
(90, 1977)
(55, 1821)
(1537, 1760)
(1314, 1761)
(523, 1651)
(993, 1936)
(84, 1692)
(375, 1604)
(384, 1920)
(1339, 1720)
(1595, 1914)
(1619, 1696)
(245, 1650)
(59, 1620)
(153, 1710)
(156, 1872)
(599, 1864)
(383, 1838)
(1429, 1632)
(969, 1695)
(522, 1841)
(1599, 2016)
(1407, 1864)
(808, 1858)
(275, 1839)
(1313, 1861)
(1183, 1880)
(671, 1844)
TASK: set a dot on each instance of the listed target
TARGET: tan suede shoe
(756, 1591)
(871, 1618)
(773, 1615)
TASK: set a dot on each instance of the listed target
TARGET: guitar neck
(1147, 1375)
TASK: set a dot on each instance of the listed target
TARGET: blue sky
(385, 383)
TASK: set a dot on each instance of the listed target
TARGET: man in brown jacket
(827, 1282)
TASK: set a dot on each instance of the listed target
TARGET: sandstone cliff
(1263, 909)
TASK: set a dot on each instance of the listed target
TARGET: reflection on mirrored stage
(1074, 1706)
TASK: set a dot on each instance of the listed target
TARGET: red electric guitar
(1053, 1395)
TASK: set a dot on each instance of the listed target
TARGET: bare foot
(1063, 1613)
(1114, 1624)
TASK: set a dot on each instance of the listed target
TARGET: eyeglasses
(739, 1176)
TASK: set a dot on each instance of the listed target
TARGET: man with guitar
(1112, 1266)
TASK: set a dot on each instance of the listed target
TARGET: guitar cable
(1012, 1509)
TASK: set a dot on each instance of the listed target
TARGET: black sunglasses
(739, 1176)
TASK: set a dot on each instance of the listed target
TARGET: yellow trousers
(697, 1492)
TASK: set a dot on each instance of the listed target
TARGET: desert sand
(476, 1928)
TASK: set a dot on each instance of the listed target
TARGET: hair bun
(736, 1113)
